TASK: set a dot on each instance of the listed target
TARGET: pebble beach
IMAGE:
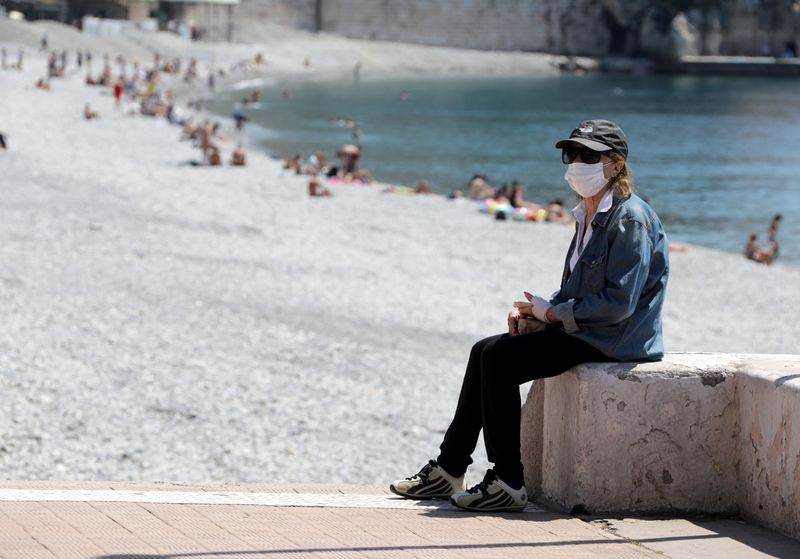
(163, 322)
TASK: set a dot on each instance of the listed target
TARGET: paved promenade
(124, 521)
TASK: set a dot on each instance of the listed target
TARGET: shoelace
(424, 472)
(484, 485)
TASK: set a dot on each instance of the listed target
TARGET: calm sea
(716, 157)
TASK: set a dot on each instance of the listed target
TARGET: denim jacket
(614, 296)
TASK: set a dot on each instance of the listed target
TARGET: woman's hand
(539, 307)
(513, 322)
(523, 308)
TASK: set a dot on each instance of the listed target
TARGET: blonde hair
(623, 182)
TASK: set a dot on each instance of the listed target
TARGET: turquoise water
(716, 157)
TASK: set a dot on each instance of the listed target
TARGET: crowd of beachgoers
(142, 89)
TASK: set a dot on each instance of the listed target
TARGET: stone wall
(695, 433)
(293, 13)
(252, 20)
(580, 27)
(564, 26)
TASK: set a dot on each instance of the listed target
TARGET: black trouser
(490, 399)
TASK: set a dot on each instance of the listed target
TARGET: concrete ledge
(694, 433)
(738, 66)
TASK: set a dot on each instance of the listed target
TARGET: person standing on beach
(119, 87)
(773, 236)
(608, 308)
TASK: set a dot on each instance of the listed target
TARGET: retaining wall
(695, 433)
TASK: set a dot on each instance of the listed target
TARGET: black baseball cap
(599, 135)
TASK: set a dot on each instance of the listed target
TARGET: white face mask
(587, 179)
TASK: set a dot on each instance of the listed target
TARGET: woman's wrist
(551, 315)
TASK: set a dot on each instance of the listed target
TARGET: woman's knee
(491, 360)
(504, 360)
(479, 347)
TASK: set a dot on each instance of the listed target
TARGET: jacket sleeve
(626, 272)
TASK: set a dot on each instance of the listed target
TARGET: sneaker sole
(515, 508)
(418, 497)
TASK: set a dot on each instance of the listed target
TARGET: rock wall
(661, 29)
(253, 20)
(300, 14)
(565, 26)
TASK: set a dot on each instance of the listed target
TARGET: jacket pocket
(594, 272)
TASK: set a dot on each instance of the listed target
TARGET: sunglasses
(569, 155)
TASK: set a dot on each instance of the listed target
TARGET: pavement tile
(33, 551)
(100, 530)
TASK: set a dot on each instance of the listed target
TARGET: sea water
(717, 157)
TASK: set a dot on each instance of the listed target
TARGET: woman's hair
(623, 182)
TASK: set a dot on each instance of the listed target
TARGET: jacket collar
(601, 218)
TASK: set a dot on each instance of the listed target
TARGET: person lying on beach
(214, 157)
(479, 188)
(89, 114)
(294, 163)
(362, 176)
(556, 212)
(608, 309)
(174, 115)
(41, 84)
(316, 189)
(423, 187)
(190, 130)
(239, 156)
(501, 196)
(152, 105)
(753, 251)
(517, 201)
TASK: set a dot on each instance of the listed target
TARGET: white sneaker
(432, 482)
(492, 494)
